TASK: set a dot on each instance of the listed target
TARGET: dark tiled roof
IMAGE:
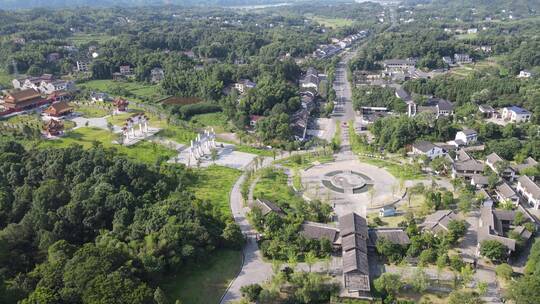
(396, 236)
(505, 191)
(438, 221)
(423, 146)
(319, 231)
(353, 223)
(267, 206)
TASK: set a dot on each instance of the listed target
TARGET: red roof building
(24, 99)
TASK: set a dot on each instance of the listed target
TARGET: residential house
(466, 137)
(403, 95)
(24, 99)
(530, 190)
(59, 109)
(126, 70)
(467, 169)
(437, 106)
(267, 207)
(479, 181)
(311, 79)
(448, 60)
(437, 222)
(494, 161)
(157, 75)
(496, 224)
(253, 119)
(50, 87)
(525, 74)
(505, 193)
(244, 85)
(403, 64)
(462, 58)
(487, 111)
(528, 163)
(516, 114)
(101, 97)
(428, 149)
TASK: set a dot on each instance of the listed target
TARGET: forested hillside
(12, 4)
(79, 225)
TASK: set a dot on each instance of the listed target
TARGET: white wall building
(530, 191)
(516, 114)
(466, 137)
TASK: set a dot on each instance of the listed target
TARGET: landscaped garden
(214, 185)
(131, 89)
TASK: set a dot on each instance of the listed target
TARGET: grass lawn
(302, 161)
(332, 22)
(136, 88)
(253, 150)
(273, 186)
(89, 111)
(404, 171)
(206, 282)
(143, 151)
(218, 121)
(214, 185)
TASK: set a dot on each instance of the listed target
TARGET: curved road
(254, 269)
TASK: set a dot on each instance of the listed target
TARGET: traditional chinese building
(59, 109)
(121, 104)
(19, 100)
(53, 128)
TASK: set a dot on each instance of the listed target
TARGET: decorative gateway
(139, 120)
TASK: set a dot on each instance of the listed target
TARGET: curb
(235, 277)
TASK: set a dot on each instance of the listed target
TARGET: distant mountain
(18, 4)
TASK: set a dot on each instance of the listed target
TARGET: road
(254, 269)
(343, 110)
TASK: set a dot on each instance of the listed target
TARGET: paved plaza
(355, 179)
(226, 157)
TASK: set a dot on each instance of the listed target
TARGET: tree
(214, 155)
(420, 280)
(464, 297)
(251, 292)
(466, 274)
(232, 235)
(310, 258)
(493, 250)
(504, 271)
(388, 283)
(160, 297)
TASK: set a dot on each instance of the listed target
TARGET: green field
(218, 121)
(273, 186)
(113, 87)
(331, 22)
(89, 111)
(214, 185)
(206, 282)
(143, 151)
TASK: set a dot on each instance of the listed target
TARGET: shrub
(493, 250)
(504, 271)
(251, 292)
